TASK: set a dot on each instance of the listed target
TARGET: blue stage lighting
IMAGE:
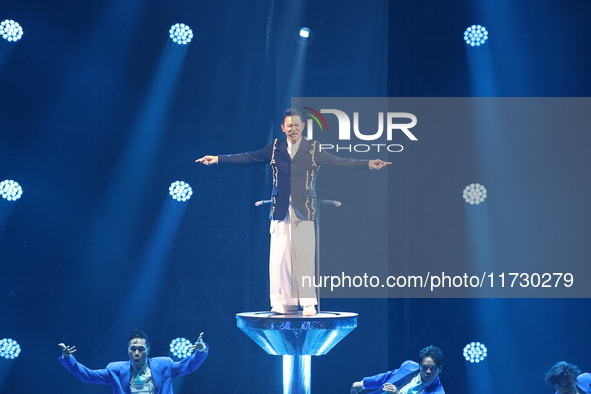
(305, 32)
(181, 33)
(180, 191)
(475, 352)
(181, 347)
(9, 348)
(474, 193)
(10, 30)
(475, 35)
(10, 190)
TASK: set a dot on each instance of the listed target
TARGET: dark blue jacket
(295, 177)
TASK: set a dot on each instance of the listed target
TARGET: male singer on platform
(141, 374)
(294, 163)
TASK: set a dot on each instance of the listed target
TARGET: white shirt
(292, 149)
(415, 383)
(141, 381)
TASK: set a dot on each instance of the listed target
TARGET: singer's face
(292, 127)
(429, 370)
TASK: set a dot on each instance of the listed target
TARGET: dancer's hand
(199, 345)
(390, 388)
(67, 350)
(357, 387)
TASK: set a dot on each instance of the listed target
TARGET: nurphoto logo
(389, 125)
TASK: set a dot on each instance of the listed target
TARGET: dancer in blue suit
(410, 378)
(141, 374)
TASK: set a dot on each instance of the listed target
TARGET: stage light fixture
(10, 190)
(475, 193)
(305, 32)
(181, 33)
(9, 348)
(10, 30)
(475, 35)
(475, 352)
(181, 347)
(304, 36)
(180, 191)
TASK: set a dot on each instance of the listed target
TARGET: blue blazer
(398, 376)
(118, 374)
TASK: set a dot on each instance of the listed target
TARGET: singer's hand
(378, 164)
(207, 160)
(199, 345)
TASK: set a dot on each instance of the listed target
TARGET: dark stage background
(100, 113)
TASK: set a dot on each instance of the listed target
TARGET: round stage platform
(296, 338)
(294, 334)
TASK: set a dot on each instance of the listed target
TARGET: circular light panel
(181, 347)
(476, 35)
(181, 33)
(475, 194)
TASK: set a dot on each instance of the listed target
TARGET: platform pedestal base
(296, 338)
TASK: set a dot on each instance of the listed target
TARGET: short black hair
(291, 112)
(434, 352)
(562, 371)
(138, 334)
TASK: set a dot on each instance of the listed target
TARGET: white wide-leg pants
(292, 255)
